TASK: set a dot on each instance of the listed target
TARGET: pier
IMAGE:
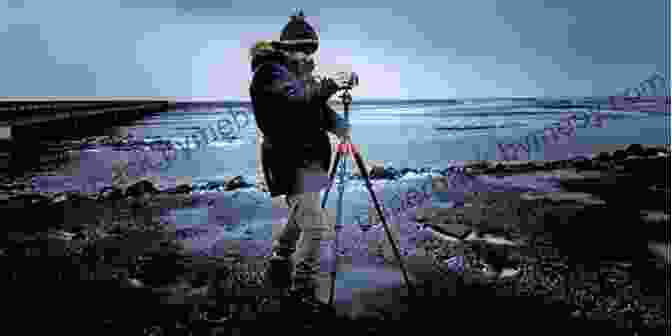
(62, 117)
(27, 124)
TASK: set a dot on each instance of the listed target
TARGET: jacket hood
(266, 51)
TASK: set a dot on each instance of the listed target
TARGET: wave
(479, 127)
(459, 113)
(189, 128)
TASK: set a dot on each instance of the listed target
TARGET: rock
(126, 282)
(60, 198)
(140, 188)
(377, 172)
(235, 183)
(604, 157)
(661, 250)
(110, 193)
(619, 155)
(479, 165)
(574, 197)
(180, 189)
(184, 188)
(213, 185)
(652, 151)
(427, 213)
(584, 227)
(655, 217)
(14, 186)
(635, 149)
(372, 167)
(583, 163)
(31, 199)
(463, 225)
(405, 171)
(602, 165)
(455, 230)
(440, 184)
(60, 235)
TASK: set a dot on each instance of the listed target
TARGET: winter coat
(293, 119)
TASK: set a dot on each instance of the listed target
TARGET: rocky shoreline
(600, 247)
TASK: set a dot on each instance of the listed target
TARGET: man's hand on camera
(328, 87)
(345, 79)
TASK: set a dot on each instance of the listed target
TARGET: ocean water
(422, 134)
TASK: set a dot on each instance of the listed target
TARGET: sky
(404, 49)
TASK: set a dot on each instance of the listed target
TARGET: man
(291, 111)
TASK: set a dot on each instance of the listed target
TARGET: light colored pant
(306, 225)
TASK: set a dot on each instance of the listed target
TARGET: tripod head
(346, 97)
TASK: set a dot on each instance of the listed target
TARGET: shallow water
(402, 136)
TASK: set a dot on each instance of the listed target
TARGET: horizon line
(187, 99)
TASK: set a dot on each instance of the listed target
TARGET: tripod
(343, 148)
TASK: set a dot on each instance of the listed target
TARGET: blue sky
(406, 49)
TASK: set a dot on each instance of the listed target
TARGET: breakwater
(26, 119)
(28, 125)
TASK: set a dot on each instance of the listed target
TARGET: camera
(351, 82)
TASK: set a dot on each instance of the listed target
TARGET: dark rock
(571, 197)
(446, 171)
(425, 170)
(651, 151)
(583, 163)
(646, 168)
(603, 157)
(380, 172)
(619, 155)
(110, 193)
(655, 217)
(140, 188)
(31, 198)
(581, 226)
(14, 186)
(213, 185)
(235, 183)
(455, 230)
(426, 214)
(479, 165)
(392, 173)
(180, 189)
(562, 164)
(603, 165)
(635, 149)
(405, 171)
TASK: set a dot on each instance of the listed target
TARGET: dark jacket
(293, 118)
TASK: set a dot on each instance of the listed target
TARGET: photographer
(290, 107)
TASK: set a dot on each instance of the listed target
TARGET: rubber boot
(279, 274)
(304, 298)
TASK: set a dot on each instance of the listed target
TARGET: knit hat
(299, 35)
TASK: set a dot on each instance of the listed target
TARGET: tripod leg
(332, 174)
(337, 227)
(360, 165)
